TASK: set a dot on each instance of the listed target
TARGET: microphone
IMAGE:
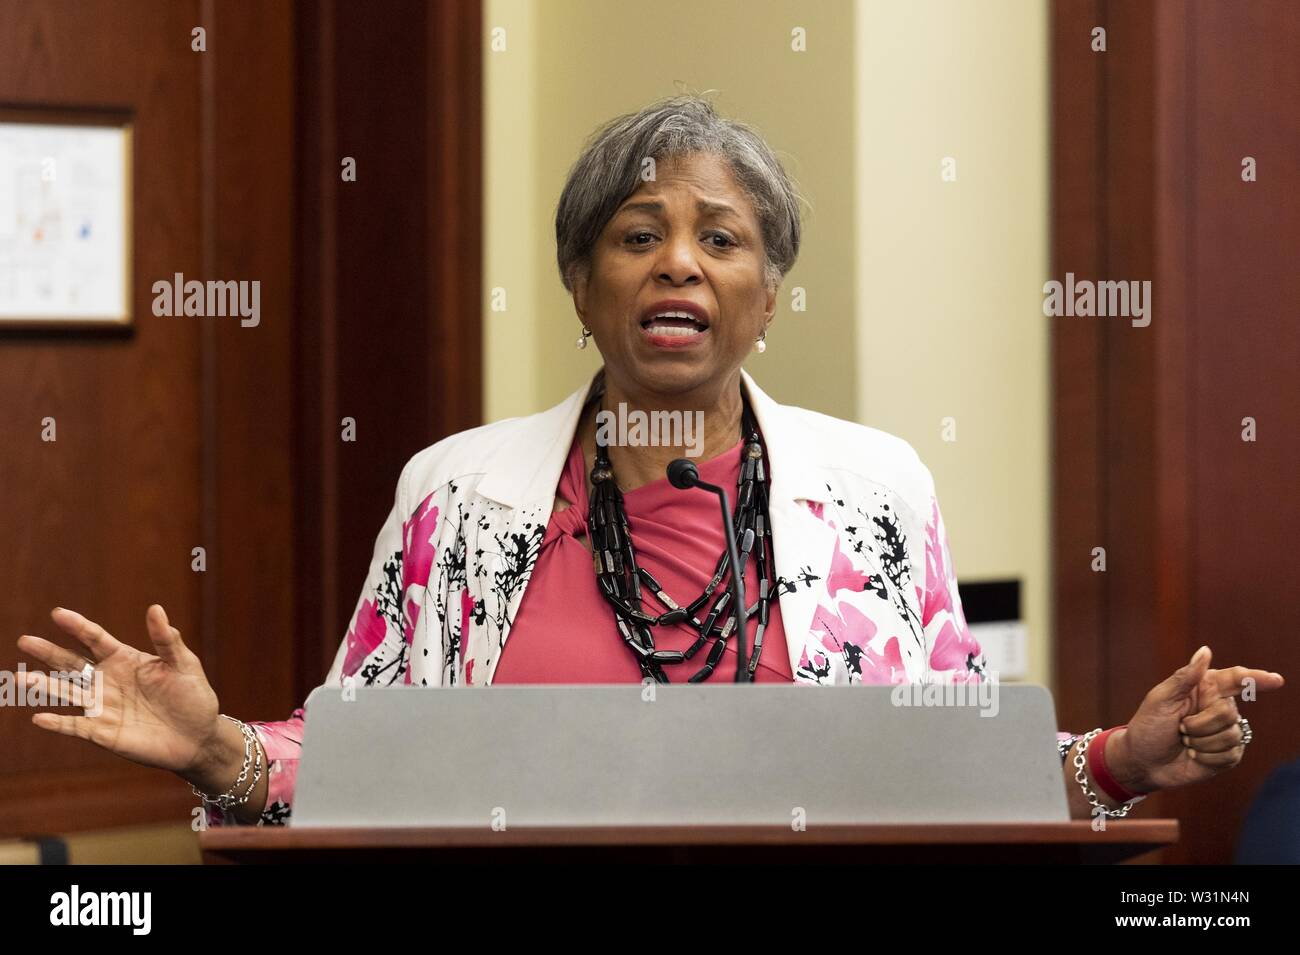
(683, 474)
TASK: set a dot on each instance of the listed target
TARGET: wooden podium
(982, 843)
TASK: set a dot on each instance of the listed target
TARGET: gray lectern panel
(692, 754)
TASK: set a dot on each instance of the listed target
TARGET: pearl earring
(760, 346)
(582, 340)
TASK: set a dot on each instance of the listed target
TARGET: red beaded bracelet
(1101, 773)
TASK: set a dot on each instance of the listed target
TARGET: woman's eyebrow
(701, 205)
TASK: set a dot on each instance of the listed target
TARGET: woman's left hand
(1186, 729)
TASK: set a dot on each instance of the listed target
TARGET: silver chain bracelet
(1080, 777)
(252, 759)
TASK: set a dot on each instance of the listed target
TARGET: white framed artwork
(65, 220)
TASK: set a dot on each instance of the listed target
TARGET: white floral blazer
(867, 588)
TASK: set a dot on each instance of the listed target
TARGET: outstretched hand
(157, 709)
(1186, 730)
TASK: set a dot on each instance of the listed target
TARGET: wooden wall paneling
(1078, 416)
(1174, 323)
(1171, 214)
(390, 273)
(1242, 280)
(1132, 657)
(315, 371)
(175, 436)
(380, 262)
(197, 432)
(454, 79)
(103, 519)
(1198, 521)
(253, 653)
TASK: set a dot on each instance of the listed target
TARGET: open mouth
(674, 324)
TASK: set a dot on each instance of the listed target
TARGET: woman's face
(688, 242)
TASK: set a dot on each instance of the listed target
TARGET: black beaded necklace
(621, 579)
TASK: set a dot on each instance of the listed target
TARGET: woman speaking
(553, 548)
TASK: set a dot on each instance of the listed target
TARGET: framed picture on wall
(65, 219)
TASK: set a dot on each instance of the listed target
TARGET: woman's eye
(633, 238)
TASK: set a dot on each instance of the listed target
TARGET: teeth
(663, 329)
(672, 330)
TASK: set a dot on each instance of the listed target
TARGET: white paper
(63, 214)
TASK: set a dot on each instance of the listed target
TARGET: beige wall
(922, 296)
(949, 297)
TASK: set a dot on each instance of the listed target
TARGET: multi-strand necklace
(621, 579)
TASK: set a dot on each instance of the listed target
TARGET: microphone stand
(682, 473)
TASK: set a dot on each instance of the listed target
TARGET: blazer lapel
(803, 544)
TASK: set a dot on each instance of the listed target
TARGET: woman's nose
(678, 261)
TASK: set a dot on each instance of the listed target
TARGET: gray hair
(609, 170)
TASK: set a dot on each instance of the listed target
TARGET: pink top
(564, 631)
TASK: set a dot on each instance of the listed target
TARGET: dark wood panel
(1246, 289)
(1198, 522)
(389, 273)
(382, 307)
(932, 844)
(454, 215)
(1078, 412)
(109, 515)
(1130, 658)
(252, 169)
(102, 520)
(199, 432)
(66, 800)
(315, 378)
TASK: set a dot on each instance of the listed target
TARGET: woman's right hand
(157, 710)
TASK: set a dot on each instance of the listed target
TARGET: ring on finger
(82, 678)
(1247, 734)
